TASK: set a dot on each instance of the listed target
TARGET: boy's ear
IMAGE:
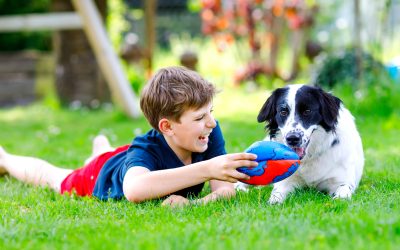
(165, 126)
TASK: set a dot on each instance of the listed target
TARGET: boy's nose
(212, 123)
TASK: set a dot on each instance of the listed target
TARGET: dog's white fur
(333, 161)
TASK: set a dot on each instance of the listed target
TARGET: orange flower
(207, 15)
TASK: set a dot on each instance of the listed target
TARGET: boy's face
(191, 133)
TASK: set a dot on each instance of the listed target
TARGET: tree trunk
(150, 16)
(78, 75)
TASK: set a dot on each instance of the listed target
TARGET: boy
(184, 149)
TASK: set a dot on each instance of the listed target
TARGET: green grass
(37, 218)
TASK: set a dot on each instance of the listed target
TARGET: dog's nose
(293, 139)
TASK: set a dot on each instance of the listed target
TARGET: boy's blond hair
(172, 91)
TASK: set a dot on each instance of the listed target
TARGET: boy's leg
(3, 171)
(32, 170)
(100, 146)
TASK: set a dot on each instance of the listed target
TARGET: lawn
(37, 218)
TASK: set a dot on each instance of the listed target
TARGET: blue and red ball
(276, 162)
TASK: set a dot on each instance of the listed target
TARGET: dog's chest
(315, 171)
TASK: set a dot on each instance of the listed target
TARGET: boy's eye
(199, 118)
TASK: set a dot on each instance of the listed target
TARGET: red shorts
(82, 180)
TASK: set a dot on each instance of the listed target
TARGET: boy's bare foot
(3, 155)
(100, 146)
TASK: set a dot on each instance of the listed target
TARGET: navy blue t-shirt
(151, 151)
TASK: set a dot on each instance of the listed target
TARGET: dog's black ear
(268, 111)
(330, 106)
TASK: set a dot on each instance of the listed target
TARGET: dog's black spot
(335, 142)
(315, 106)
(269, 111)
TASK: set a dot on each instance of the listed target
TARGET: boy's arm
(141, 184)
(219, 189)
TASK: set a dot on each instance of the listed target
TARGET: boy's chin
(201, 149)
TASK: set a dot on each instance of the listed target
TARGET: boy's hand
(175, 201)
(224, 167)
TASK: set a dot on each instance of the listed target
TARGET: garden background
(52, 107)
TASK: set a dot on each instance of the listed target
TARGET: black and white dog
(322, 131)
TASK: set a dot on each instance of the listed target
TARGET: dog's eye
(306, 112)
(283, 113)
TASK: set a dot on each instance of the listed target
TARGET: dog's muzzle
(293, 139)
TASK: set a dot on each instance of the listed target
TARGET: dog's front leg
(283, 188)
(240, 186)
(343, 187)
(343, 191)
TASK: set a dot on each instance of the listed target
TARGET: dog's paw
(276, 198)
(342, 192)
(240, 186)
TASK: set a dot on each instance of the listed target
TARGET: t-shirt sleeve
(137, 156)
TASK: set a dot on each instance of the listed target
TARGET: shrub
(374, 100)
(342, 68)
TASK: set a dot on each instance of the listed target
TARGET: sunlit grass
(36, 218)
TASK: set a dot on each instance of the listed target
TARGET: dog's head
(296, 111)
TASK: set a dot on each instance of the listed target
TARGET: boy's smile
(191, 133)
(204, 139)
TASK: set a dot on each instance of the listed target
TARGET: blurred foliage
(24, 40)
(116, 23)
(379, 99)
(194, 6)
(23, 6)
(266, 27)
(374, 94)
(342, 67)
(136, 76)
(117, 26)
